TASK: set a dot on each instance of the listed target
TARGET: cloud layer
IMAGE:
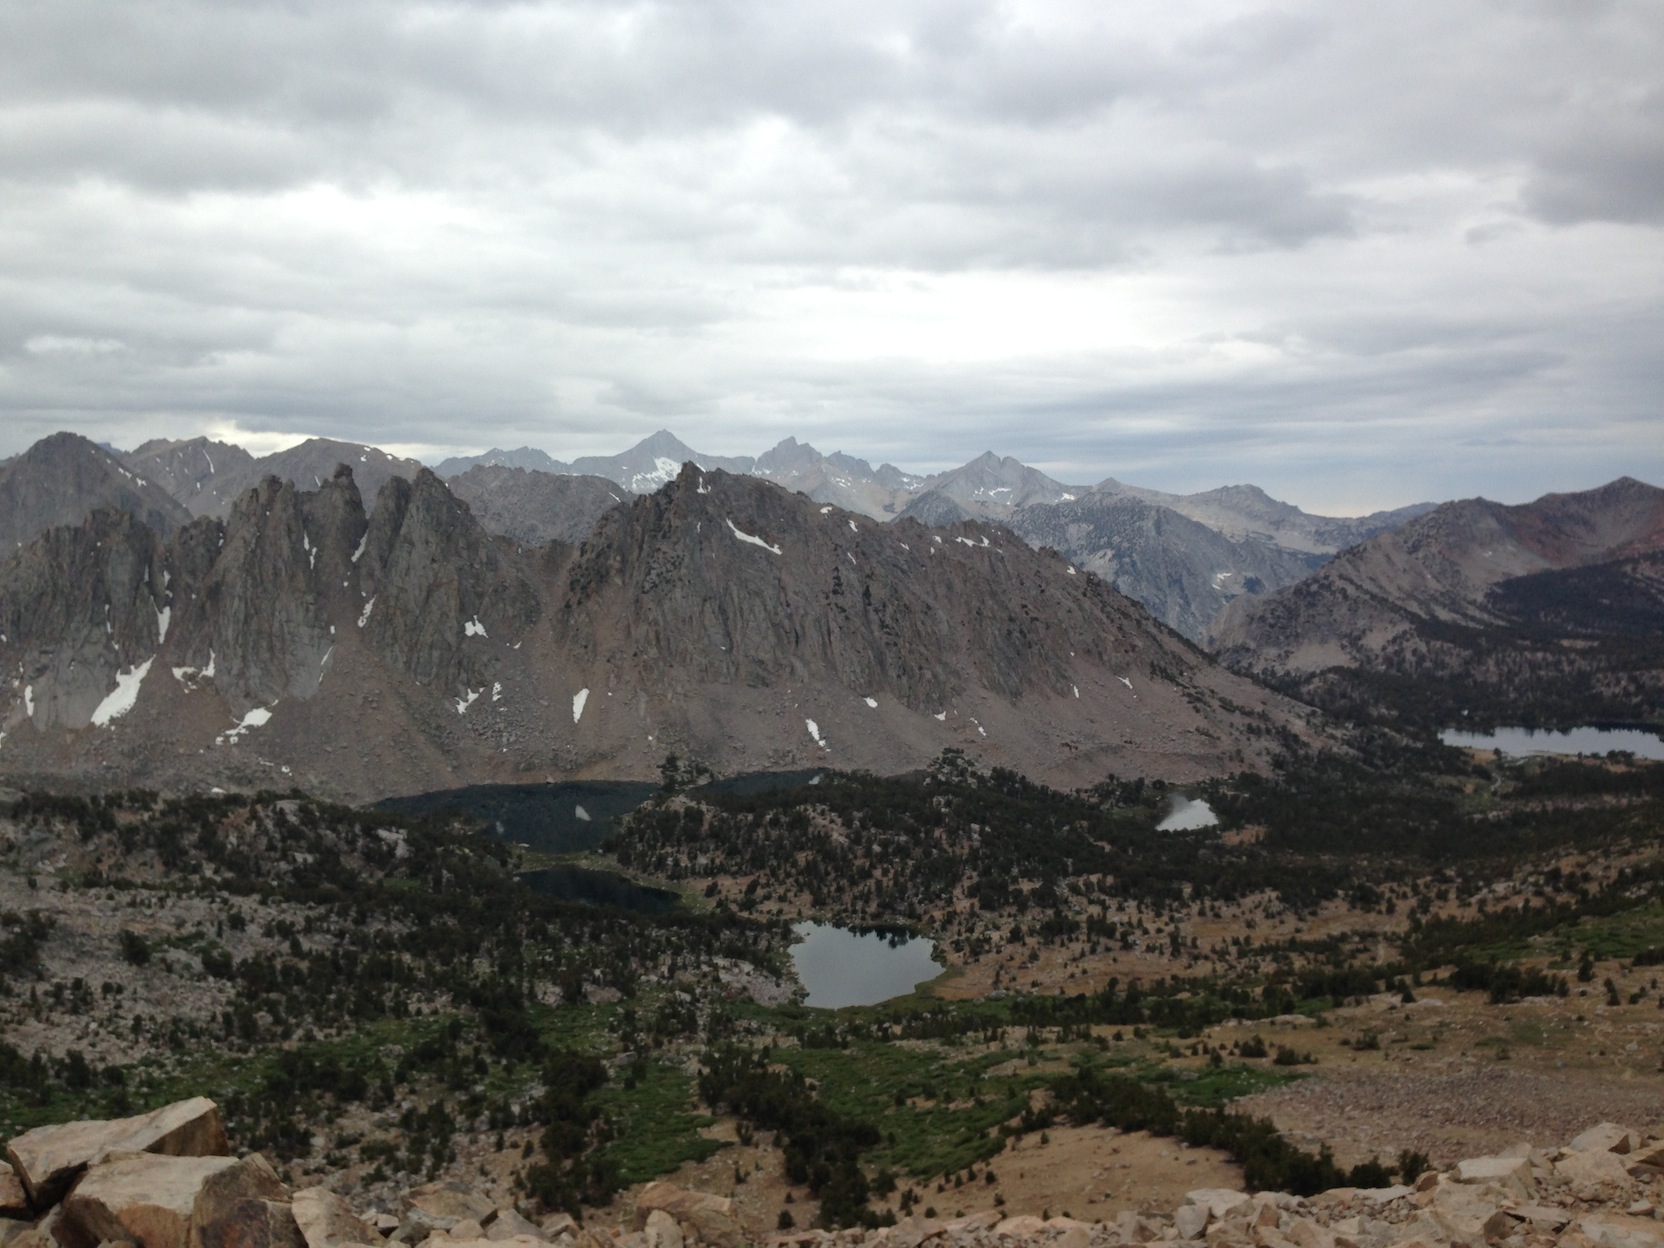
(1358, 254)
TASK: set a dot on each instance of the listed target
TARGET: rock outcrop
(1600, 1191)
(49, 1159)
(325, 1220)
(244, 1205)
(137, 1197)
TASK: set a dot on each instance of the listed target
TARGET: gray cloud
(1331, 250)
(1612, 169)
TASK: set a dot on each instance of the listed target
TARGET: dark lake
(570, 816)
(599, 888)
(563, 818)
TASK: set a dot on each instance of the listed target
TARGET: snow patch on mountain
(751, 540)
(124, 697)
(663, 470)
(258, 717)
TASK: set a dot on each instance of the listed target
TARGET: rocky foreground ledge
(167, 1180)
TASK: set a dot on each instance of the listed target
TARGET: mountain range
(306, 639)
(207, 477)
(515, 622)
(1238, 541)
(1550, 611)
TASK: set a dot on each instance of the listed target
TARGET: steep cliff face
(301, 641)
(60, 479)
(437, 587)
(1183, 572)
(822, 635)
(267, 604)
(84, 615)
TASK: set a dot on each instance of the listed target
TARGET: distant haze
(1359, 255)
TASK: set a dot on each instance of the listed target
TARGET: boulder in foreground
(49, 1159)
(138, 1197)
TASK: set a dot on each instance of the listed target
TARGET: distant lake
(599, 888)
(1524, 741)
(841, 967)
(559, 818)
(1185, 815)
(568, 816)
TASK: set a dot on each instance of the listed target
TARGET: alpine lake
(843, 966)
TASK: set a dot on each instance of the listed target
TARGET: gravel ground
(1454, 1114)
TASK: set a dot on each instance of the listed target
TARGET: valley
(461, 835)
(376, 1002)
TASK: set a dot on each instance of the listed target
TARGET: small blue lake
(1521, 742)
(841, 967)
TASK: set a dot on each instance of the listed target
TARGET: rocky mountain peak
(208, 477)
(665, 443)
(787, 456)
(992, 487)
(1250, 501)
(61, 478)
(193, 471)
(724, 579)
(1623, 517)
(438, 581)
(529, 458)
(651, 462)
(271, 625)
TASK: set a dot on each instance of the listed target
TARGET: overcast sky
(1360, 253)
